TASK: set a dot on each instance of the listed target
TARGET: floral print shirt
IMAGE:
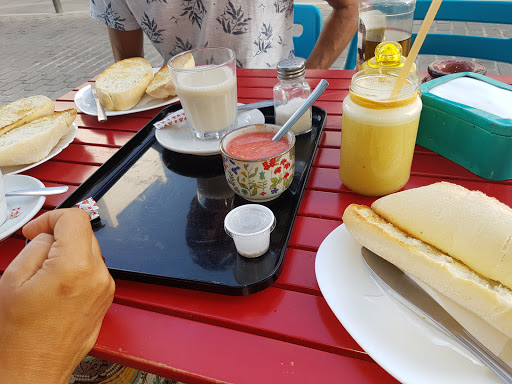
(259, 31)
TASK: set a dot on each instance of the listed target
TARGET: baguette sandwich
(457, 241)
(121, 86)
(24, 111)
(33, 141)
(162, 85)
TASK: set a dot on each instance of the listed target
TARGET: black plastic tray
(162, 215)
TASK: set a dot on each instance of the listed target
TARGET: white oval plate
(29, 205)
(63, 143)
(85, 102)
(403, 345)
(179, 138)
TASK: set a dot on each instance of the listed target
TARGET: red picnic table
(284, 334)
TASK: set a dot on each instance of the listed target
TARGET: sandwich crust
(486, 298)
(23, 111)
(33, 141)
(162, 85)
(468, 225)
(121, 86)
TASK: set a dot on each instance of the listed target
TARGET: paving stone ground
(42, 52)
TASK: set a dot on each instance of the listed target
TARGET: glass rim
(231, 230)
(198, 68)
(410, 87)
(289, 135)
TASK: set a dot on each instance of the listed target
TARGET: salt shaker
(290, 93)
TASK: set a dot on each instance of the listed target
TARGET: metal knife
(402, 285)
(102, 116)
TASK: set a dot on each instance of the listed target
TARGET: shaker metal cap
(291, 68)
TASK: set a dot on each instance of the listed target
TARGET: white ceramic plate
(85, 102)
(179, 138)
(403, 343)
(29, 205)
(63, 143)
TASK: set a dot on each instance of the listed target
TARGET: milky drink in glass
(208, 93)
(209, 99)
(378, 133)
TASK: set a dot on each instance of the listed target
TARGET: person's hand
(53, 297)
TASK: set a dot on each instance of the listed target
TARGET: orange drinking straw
(420, 38)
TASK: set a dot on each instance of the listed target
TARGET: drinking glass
(207, 91)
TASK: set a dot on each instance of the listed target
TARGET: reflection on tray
(201, 236)
(192, 165)
(111, 205)
(213, 200)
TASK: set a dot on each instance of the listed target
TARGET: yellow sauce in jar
(378, 137)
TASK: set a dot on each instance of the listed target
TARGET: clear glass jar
(378, 132)
(383, 20)
(290, 93)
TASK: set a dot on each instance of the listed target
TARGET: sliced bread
(121, 86)
(486, 298)
(162, 85)
(468, 225)
(33, 141)
(24, 111)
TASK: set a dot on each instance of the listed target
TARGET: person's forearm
(126, 44)
(338, 30)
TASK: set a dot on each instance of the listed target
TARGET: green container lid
(475, 139)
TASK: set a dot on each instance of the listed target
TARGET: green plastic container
(475, 139)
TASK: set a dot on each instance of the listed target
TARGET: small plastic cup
(250, 226)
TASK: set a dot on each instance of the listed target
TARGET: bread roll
(33, 141)
(121, 86)
(162, 85)
(23, 111)
(468, 225)
(486, 298)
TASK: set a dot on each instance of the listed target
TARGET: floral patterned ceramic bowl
(264, 178)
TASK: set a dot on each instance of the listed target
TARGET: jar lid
(291, 68)
(249, 219)
(389, 53)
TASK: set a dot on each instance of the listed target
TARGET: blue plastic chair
(310, 18)
(479, 11)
